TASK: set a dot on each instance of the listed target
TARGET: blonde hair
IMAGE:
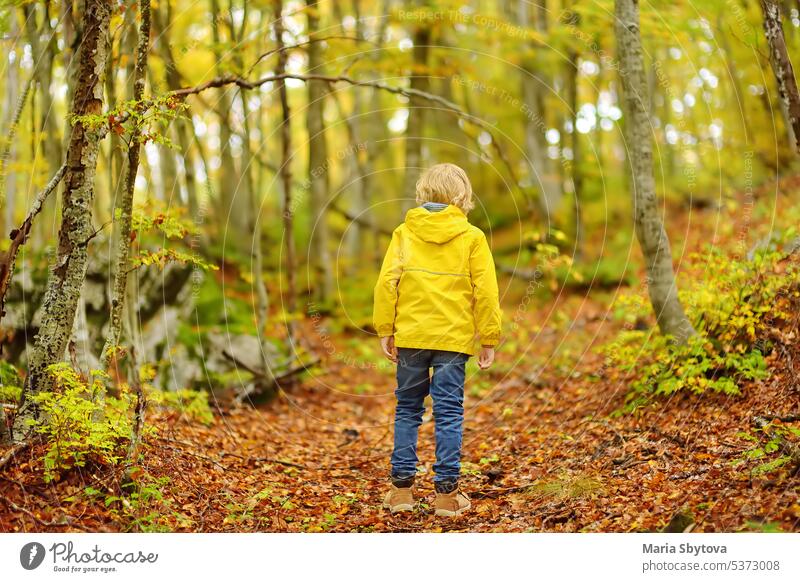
(447, 184)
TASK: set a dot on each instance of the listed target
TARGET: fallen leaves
(544, 457)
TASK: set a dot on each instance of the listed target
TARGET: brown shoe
(451, 504)
(399, 499)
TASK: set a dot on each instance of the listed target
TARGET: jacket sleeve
(486, 302)
(385, 302)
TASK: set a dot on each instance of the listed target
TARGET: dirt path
(541, 455)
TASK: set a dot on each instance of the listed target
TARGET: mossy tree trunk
(124, 207)
(648, 224)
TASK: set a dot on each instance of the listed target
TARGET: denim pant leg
(447, 392)
(413, 383)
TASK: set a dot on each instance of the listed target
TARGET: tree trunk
(256, 252)
(576, 170)
(364, 131)
(233, 210)
(182, 127)
(285, 168)
(67, 276)
(125, 202)
(168, 172)
(647, 221)
(317, 164)
(417, 112)
(782, 68)
(114, 166)
(739, 95)
(72, 34)
(541, 166)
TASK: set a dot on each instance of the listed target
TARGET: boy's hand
(486, 358)
(387, 345)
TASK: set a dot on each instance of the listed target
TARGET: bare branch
(20, 235)
(406, 92)
(271, 52)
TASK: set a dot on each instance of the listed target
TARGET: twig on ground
(229, 454)
(12, 452)
(198, 455)
(67, 523)
(494, 491)
(264, 460)
(606, 424)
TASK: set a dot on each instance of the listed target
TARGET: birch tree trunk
(125, 201)
(782, 69)
(68, 274)
(647, 221)
(317, 164)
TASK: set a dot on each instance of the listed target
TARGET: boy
(436, 289)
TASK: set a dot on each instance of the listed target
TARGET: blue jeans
(446, 387)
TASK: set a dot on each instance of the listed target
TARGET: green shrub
(143, 507)
(731, 306)
(78, 423)
(769, 448)
(81, 423)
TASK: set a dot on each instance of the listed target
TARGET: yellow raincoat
(437, 288)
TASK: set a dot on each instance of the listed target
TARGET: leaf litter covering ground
(542, 452)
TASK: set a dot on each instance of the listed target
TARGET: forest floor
(542, 452)
(545, 447)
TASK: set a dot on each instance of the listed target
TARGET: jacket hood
(437, 227)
